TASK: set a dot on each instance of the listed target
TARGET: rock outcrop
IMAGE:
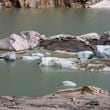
(26, 40)
(83, 98)
(48, 3)
(71, 43)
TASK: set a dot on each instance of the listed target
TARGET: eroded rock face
(45, 3)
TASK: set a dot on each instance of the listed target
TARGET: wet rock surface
(83, 98)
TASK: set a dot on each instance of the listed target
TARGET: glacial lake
(23, 78)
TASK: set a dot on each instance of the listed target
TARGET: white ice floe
(103, 51)
(33, 56)
(49, 61)
(59, 62)
(85, 55)
(30, 58)
(10, 57)
(69, 83)
(38, 54)
(106, 69)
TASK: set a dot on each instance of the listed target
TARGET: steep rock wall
(47, 3)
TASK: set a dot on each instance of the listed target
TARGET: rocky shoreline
(83, 98)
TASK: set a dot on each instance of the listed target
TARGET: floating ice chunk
(69, 83)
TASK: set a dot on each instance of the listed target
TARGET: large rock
(33, 38)
(26, 40)
(18, 43)
(72, 43)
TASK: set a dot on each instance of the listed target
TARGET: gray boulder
(26, 40)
